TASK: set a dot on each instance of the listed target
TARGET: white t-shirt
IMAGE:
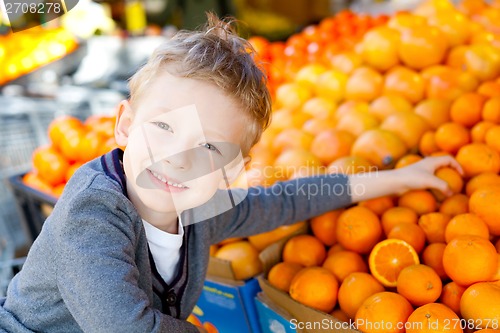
(165, 249)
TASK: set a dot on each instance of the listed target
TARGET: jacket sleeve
(97, 275)
(288, 202)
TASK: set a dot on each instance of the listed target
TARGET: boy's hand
(201, 329)
(421, 174)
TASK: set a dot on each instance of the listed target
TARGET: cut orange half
(388, 258)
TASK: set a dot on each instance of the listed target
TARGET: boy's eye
(163, 126)
(211, 147)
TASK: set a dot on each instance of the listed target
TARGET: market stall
(357, 86)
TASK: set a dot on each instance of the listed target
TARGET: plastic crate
(23, 128)
(34, 206)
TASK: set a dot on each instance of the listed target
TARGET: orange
(358, 229)
(346, 62)
(387, 105)
(50, 165)
(476, 158)
(364, 84)
(491, 109)
(482, 180)
(308, 74)
(466, 224)
(292, 159)
(450, 137)
(213, 249)
(379, 48)
(478, 131)
(410, 233)
(406, 83)
(244, 259)
(482, 61)
(356, 122)
(283, 119)
(452, 178)
(422, 47)
(388, 308)
(315, 126)
(291, 138)
(315, 287)
(467, 109)
(451, 295)
(481, 303)
(484, 203)
(456, 57)
(292, 95)
(492, 137)
(350, 165)
(89, 146)
(433, 318)
(419, 284)
(409, 127)
(282, 274)
(69, 145)
(263, 240)
(59, 126)
(331, 85)
(334, 249)
(388, 258)
(454, 205)
(351, 106)
(470, 259)
(404, 20)
(380, 147)
(355, 289)
(455, 25)
(305, 250)
(407, 160)
(433, 257)
(319, 107)
(427, 145)
(343, 263)
(397, 215)
(230, 240)
(490, 89)
(435, 111)
(421, 201)
(324, 227)
(447, 83)
(497, 245)
(378, 205)
(340, 315)
(33, 180)
(434, 226)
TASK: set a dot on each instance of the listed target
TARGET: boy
(123, 250)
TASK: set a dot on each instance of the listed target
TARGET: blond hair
(215, 54)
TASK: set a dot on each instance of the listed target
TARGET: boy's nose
(179, 161)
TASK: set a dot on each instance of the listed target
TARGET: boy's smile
(178, 138)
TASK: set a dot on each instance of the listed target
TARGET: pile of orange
(426, 83)
(72, 143)
(34, 47)
(316, 43)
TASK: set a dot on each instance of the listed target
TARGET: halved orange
(389, 257)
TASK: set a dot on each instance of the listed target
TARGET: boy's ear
(124, 119)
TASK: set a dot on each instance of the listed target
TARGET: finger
(440, 185)
(447, 160)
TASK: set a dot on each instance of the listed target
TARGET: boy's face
(179, 139)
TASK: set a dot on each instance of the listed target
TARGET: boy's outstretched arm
(419, 175)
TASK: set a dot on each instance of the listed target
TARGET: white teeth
(169, 183)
